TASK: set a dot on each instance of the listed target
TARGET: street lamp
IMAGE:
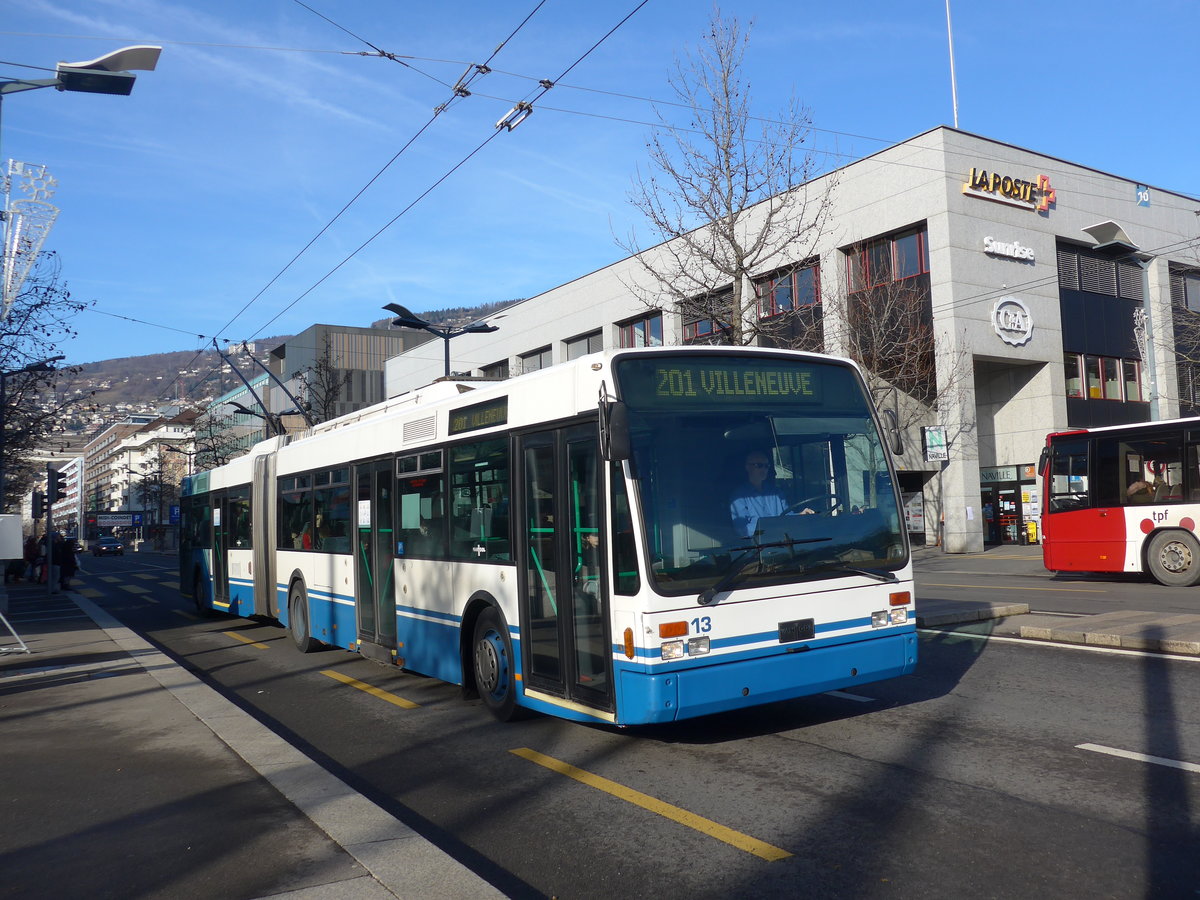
(42, 365)
(1111, 236)
(104, 75)
(405, 319)
(190, 454)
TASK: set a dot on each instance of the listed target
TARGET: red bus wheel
(1173, 558)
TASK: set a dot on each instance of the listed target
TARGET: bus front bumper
(736, 684)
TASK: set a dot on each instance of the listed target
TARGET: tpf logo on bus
(1013, 321)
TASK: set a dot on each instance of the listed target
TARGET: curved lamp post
(103, 75)
(406, 319)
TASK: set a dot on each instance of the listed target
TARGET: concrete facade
(995, 219)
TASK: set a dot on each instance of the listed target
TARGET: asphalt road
(1000, 769)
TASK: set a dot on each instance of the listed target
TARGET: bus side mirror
(614, 430)
(894, 436)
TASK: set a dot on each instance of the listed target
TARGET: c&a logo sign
(1032, 195)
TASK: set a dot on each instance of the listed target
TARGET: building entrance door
(1002, 519)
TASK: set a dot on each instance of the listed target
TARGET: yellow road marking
(245, 640)
(674, 813)
(371, 689)
(111, 579)
(170, 584)
(90, 593)
(1009, 587)
(135, 589)
(149, 576)
(186, 615)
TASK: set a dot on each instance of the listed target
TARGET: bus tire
(203, 610)
(493, 664)
(1173, 558)
(298, 620)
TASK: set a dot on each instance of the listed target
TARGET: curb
(1127, 630)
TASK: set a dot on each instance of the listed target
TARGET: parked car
(108, 545)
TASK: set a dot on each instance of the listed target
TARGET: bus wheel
(298, 621)
(1174, 558)
(493, 662)
(198, 597)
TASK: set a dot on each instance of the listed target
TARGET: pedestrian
(31, 558)
(64, 559)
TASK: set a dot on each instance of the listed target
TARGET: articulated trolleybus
(564, 541)
(1123, 499)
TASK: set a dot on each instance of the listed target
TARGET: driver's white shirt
(749, 505)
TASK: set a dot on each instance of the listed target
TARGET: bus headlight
(879, 618)
(672, 650)
(698, 646)
(899, 616)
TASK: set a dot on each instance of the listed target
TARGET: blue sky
(180, 203)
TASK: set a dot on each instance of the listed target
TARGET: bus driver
(758, 497)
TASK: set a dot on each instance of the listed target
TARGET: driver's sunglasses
(756, 465)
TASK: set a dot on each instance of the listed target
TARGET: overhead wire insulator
(515, 116)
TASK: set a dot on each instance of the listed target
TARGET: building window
(645, 331)
(1103, 378)
(888, 259)
(783, 292)
(581, 346)
(497, 370)
(1185, 289)
(538, 359)
(1074, 379)
(1082, 269)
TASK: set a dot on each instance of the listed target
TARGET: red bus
(1123, 499)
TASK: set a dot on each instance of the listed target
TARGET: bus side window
(1192, 473)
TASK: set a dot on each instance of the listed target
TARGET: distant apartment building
(131, 476)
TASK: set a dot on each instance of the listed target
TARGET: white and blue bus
(564, 541)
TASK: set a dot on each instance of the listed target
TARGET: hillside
(143, 384)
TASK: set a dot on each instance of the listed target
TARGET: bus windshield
(757, 470)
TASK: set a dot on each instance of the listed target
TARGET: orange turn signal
(900, 598)
(672, 629)
(629, 643)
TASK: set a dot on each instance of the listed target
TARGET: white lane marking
(1031, 642)
(1140, 757)
(845, 696)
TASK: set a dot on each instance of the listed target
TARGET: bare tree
(218, 439)
(726, 204)
(35, 404)
(321, 385)
(889, 330)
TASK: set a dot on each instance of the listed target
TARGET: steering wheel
(828, 502)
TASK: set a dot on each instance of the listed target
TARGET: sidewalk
(1128, 629)
(130, 777)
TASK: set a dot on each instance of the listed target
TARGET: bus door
(262, 518)
(566, 648)
(375, 544)
(220, 550)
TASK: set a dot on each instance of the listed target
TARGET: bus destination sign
(700, 382)
(482, 415)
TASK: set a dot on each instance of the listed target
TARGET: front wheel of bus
(200, 597)
(1174, 559)
(493, 663)
(298, 620)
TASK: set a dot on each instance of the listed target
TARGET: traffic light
(55, 490)
(39, 505)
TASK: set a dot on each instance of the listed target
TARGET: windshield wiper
(733, 573)
(842, 568)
